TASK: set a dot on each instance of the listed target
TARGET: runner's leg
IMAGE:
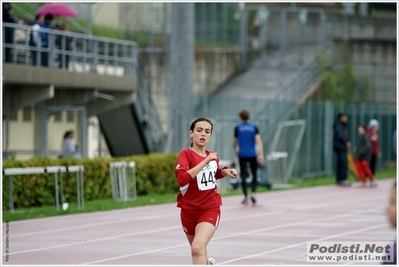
(203, 234)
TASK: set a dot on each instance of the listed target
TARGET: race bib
(206, 177)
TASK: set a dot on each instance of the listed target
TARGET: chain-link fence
(315, 155)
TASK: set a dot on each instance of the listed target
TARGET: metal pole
(182, 65)
(322, 30)
(121, 28)
(82, 193)
(89, 17)
(214, 20)
(283, 37)
(61, 191)
(224, 24)
(10, 194)
(3, 41)
(308, 163)
(243, 13)
(346, 28)
(83, 132)
(57, 198)
(45, 115)
(164, 26)
(328, 138)
(203, 21)
(7, 136)
(78, 192)
(301, 60)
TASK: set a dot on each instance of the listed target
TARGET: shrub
(154, 174)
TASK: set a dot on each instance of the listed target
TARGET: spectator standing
(248, 146)
(69, 149)
(48, 19)
(64, 43)
(375, 148)
(8, 16)
(35, 39)
(363, 156)
(341, 146)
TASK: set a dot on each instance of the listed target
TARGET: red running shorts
(190, 218)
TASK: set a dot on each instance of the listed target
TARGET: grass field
(154, 199)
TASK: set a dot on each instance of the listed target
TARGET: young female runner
(196, 172)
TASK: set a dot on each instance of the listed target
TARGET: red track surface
(274, 232)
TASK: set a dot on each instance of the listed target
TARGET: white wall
(21, 135)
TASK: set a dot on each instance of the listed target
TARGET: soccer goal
(283, 152)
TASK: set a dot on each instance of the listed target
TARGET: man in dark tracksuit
(248, 146)
(341, 147)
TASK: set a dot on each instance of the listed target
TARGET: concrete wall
(213, 68)
(375, 59)
(17, 129)
(20, 141)
(129, 16)
(106, 14)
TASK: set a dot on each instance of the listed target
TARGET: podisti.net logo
(370, 252)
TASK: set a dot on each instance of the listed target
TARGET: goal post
(283, 152)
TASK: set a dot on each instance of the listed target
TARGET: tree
(340, 84)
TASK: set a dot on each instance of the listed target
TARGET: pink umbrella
(57, 10)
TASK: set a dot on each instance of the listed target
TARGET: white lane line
(87, 226)
(350, 214)
(91, 214)
(272, 203)
(243, 233)
(166, 229)
(122, 236)
(286, 208)
(136, 254)
(95, 240)
(303, 243)
(176, 227)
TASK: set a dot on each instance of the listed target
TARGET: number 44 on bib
(206, 177)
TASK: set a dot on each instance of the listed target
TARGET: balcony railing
(70, 51)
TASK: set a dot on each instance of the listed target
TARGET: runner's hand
(212, 156)
(229, 172)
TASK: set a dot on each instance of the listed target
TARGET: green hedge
(154, 174)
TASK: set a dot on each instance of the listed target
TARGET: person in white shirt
(69, 149)
(35, 38)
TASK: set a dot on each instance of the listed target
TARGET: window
(26, 115)
(14, 115)
(58, 117)
(70, 116)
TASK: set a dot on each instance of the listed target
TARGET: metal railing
(58, 184)
(315, 155)
(71, 51)
(90, 54)
(123, 180)
(299, 82)
(291, 92)
(148, 114)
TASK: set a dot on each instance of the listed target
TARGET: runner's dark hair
(192, 126)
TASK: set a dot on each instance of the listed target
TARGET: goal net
(283, 152)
